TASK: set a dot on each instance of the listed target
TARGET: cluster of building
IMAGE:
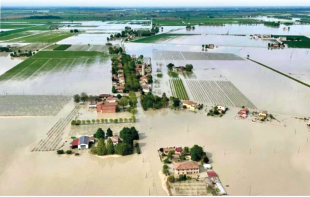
(108, 105)
(144, 70)
(192, 168)
(243, 113)
(119, 78)
(85, 142)
(261, 36)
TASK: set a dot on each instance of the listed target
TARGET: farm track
(55, 134)
(218, 92)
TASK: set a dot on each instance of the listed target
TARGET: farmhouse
(188, 167)
(111, 99)
(83, 142)
(115, 140)
(189, 105)
(211, 46)
(177, 150)
(178, 68)
(106, 107)
(145, 88)
(243, 113)
(104, 96)
(221, 108)
(262, 115)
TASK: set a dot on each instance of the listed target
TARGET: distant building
(177, 150)
(243, 113)
(106, 107)
(189, 105)
(308, 122)
(83, 142)
(133, 56)
(188, 167)
(92, 105)
(115, 140)
(262, 115)
(221, 108)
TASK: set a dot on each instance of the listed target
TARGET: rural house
(188, 167)
(262, 115)
(83, 142)
(190, 105)
(115, 140)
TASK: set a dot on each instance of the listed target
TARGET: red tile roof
(211, 174)
(186, 165)
(75, 142)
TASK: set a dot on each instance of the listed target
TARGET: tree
(113, 89)
(123, 102)
(186, 150)
(170, 66)
(99, 134)
(101, 147)
(84, 96)
(189, 67)
(197, 153)
(170, 153)
(93, 150)
(119, 96)
(123, 149)
(76, 98)
(109, 133)
(171, 178)
(110, 147)
(115, 121)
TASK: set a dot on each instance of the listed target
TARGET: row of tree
(115, 50)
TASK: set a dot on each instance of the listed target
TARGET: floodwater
(219, 40)
(248, 30)
(92, 78)
(265, 18)
(282, 156)
(235, 147)
(8, 62)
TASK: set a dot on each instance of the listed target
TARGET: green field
(160, 37)
(62, 47)
(43, 37)
(295, 41)
(178, 89)
(51, 61)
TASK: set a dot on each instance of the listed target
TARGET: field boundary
(281, 73)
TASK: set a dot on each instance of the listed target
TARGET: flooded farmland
(220, 75)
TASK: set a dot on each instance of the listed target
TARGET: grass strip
(281, 73)
(62, 47)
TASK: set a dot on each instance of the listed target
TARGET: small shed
(207, 166)
(211, 174)
(221, 188)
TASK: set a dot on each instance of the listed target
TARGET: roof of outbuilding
(84, 140)
(211, 174)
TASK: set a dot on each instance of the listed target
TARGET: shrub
(69, 152)
(60, 152)
(138, 149)
(73, 122)
(171, 178)
(77, 154)
(167, 160)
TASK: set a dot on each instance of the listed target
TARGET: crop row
(179, 89)
(181, 55)
(235, 95)
(218, 92)
(32, 105)
(55, 134)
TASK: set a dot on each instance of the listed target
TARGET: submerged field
(55, 72)
(159, 38)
